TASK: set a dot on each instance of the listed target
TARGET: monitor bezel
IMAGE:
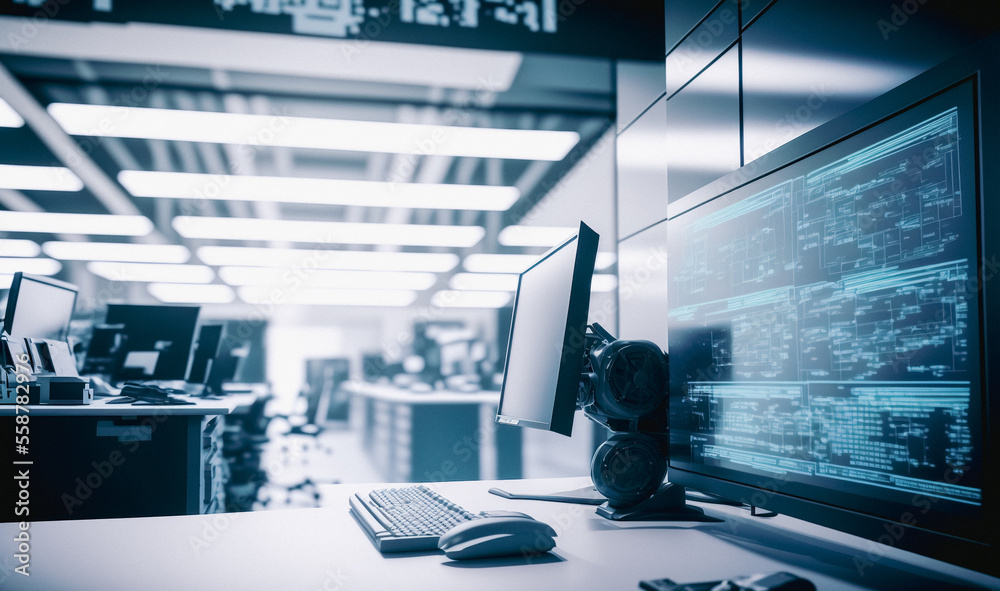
(976, 66)
(568, 380)
(12, 296)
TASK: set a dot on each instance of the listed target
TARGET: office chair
(243, 444)
(320, 391)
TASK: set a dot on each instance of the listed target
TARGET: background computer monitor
(39, 307)
(156, 341)
(547, 336)
(229, 360)
(205, 350)
(827, 331)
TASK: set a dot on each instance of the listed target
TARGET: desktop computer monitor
(228, 363)
(205, 351)
(545, 352)
(827, 331)
(156, 341)
(39, 307)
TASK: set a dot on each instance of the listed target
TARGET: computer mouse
(491, 537)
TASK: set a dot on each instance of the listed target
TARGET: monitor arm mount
(624, 389)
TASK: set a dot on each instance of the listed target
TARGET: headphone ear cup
(628, 468)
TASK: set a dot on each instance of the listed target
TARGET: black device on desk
(205, 351)
(157, 341)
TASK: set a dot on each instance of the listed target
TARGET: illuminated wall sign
(603, 28)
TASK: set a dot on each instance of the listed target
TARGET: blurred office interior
(381, 246)
(350, 190)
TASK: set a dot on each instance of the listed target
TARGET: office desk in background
(106, 460)
(434, 436)
(325, 549)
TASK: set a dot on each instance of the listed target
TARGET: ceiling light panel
(191, 293)
(117, 251)
(547, 236)
(74, 223)
(605, 260)
(483, 281)
(38, 178)
(327, 297)
(320, 258)
(327, 232)
(307, 132)
(19, 248)
(181, 185)
(151, 273)
(8, 116)
(498, 263)
(325, 278)
(470, 299)
(604, 283)
(9, 266)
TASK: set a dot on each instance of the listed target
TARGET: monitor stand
(666, 504)
(587, 495)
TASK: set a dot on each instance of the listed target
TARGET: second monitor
(156, 341)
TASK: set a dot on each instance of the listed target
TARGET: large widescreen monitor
(544, 362)
(828, 326)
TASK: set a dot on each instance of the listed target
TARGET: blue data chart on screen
(824, 327)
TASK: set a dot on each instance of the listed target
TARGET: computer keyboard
(407, 519)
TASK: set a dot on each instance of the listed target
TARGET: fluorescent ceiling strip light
(325, 278)
(191, 293)
(470, 299)
(38, 178)
(9, 266)
(74, 223)
(498, 263)
(184, 185)
(19, 248)
(534, 235)
(327, 232)
(320, 258)
(151, 273)
(605, 260)
(483, 282)
(8, 116)
(476, 70)
(315, 133)
(327, 297)
(604, 283)
(117, 251)
(517, 263)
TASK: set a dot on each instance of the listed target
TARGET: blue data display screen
(824, 320)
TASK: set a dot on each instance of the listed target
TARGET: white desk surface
(101, 407)
(325, 549)
(390, 393)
